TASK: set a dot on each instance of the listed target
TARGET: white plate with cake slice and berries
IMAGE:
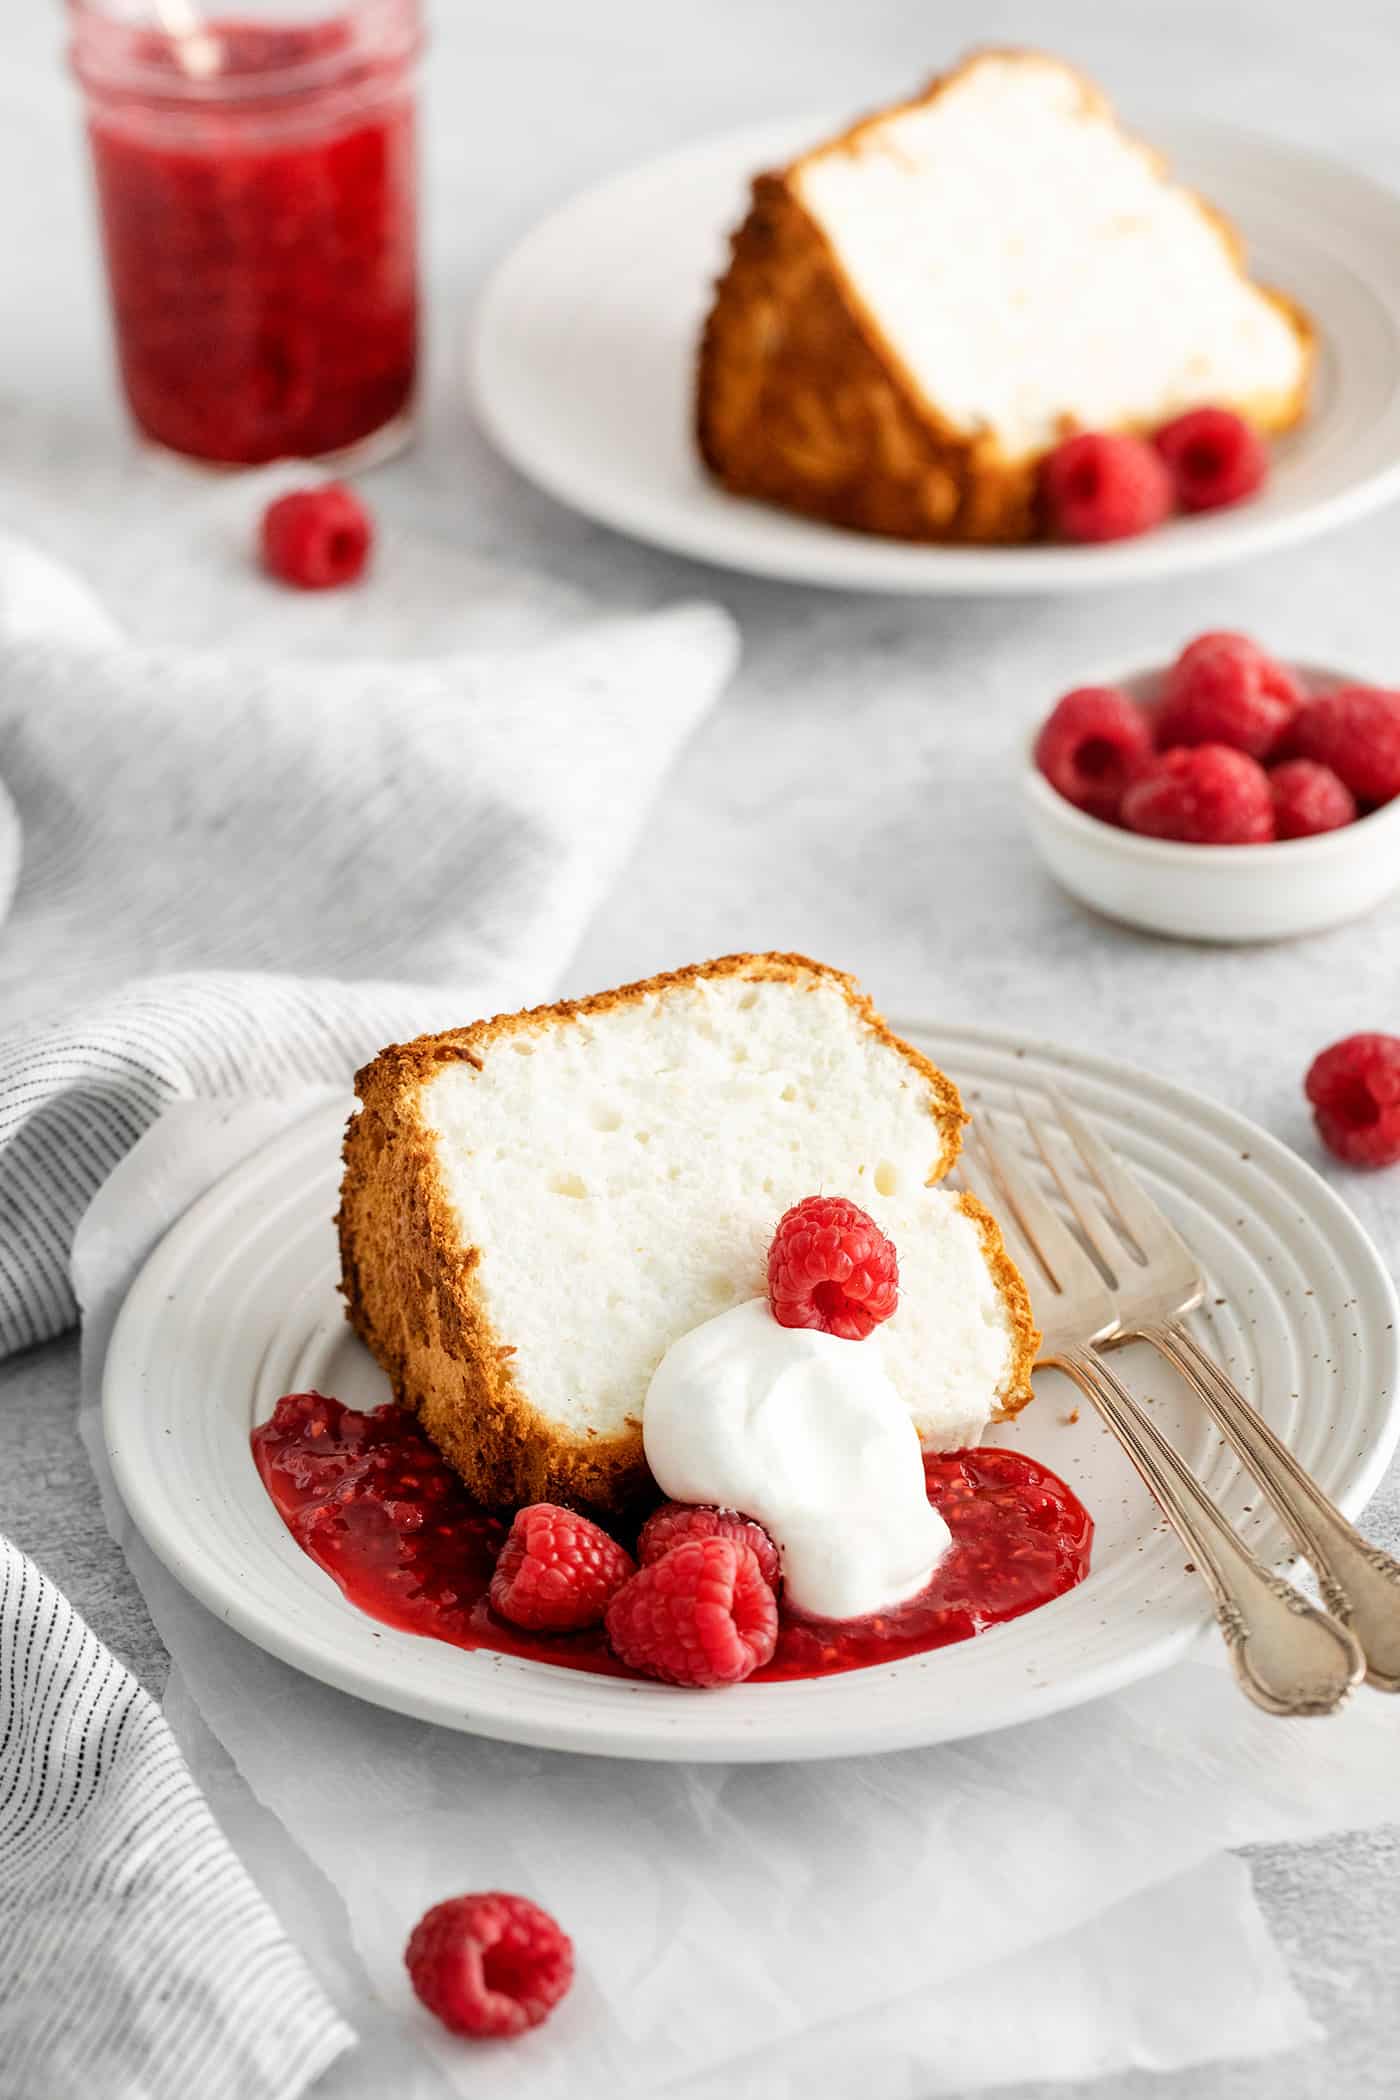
(630, 1377)
(856, 369)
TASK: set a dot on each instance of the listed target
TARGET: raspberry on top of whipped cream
(806, 1433)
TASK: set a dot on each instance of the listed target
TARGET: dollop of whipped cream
(806, 1433)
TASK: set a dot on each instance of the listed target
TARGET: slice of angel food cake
(536, 1208)
(917, 311)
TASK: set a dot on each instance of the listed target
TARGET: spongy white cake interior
(623, 1174)
(1028, 263)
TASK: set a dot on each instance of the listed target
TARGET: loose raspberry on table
(831, 1267)
(1206, 796)
(557, 1571)
(489, 1965)
(1354, 1088)
(317, 538)
(1356, 732)
(1099, 486)
(1214, 457)
(702, 1615)
(1092, 745)
(675, 1522)
(1308, 799)
(1225, 689)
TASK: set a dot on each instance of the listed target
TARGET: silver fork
(1290, 1657)
(1157, 1281)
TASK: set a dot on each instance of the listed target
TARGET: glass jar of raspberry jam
(257, 190)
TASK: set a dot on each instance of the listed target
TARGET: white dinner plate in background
(584, 351)
(239, 1305)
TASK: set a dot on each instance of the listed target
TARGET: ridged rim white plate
(584, 353)
(239, 1305)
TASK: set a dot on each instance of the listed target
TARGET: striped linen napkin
(320, 859)
(132, 1942)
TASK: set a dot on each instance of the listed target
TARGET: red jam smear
(261, 244)
(375, 1505)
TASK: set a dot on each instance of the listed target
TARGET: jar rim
(136, 58)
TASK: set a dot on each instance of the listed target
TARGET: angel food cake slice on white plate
(536, 1207)
(918, 310)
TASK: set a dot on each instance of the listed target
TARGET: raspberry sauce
(375, 1505)
(259, 227)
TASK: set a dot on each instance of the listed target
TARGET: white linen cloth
(1071, 1872)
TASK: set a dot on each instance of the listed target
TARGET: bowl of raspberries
(1228, 796)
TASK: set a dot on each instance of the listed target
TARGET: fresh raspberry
(1224, 689)
(557, 1571)
(831, 1267)
(1214, 458)
(1357, 733)
(675, 1522)
(491, 1965)
(1206, 796)
(317, 538)
(1103, 487)
(1354, 1089)
(701, 1615)
(1309, 798)
(1092, 744)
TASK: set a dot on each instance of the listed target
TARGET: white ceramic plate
(238, 1305)
(585, 345)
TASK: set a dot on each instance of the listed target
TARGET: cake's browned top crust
(404, 1066)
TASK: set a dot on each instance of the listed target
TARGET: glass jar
(256, 181)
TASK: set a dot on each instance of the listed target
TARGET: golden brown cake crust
(1025, 1335)
(800, 402)
(797, 405)
(410, 1287)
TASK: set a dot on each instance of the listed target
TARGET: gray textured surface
(852, 796)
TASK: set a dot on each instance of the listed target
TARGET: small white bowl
(1215, 893)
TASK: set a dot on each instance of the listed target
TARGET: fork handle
(1290, 1657)
(1360, 1584)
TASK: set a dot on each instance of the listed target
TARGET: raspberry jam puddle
(1020, 1539)
(373, 1504)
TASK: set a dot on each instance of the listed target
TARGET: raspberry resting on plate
(1214, 458)
(557, 1571)
(1309, 799)
(1225, 689)
(1354, 1088)
(1205, 796)
(831, 1267)
(702, 1615)
(675, 1522)
(317, 538)
(1093, 744)
(489, 1966)
(1100, 486)
(1357, 733)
